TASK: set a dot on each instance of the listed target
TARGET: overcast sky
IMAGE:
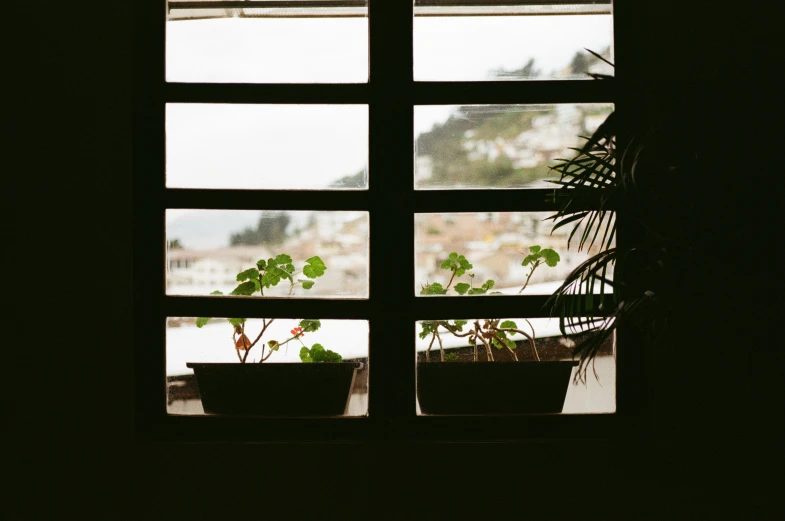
(233, 146)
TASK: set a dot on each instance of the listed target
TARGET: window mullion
(392, 219)
(149, 203)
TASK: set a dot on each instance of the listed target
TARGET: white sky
(234, 146)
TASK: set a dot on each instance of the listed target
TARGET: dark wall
(711, 447)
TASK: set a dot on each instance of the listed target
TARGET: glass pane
(495, 245)
(510, 374)
(262, 146)
(207, 249)
(511, 42)
(498, 146)
(283, 384)
(266, 45)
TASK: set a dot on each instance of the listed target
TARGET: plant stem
(265, 325)
(441, 349)
(428, 351)
(498, 339)
(526, 283)
(479, 335)
(529, 337)
(450, 282)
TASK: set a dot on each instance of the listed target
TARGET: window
(367, 66)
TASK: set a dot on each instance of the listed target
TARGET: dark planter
(493, 387)
(283, 389)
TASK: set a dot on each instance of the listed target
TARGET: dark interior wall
(713, 455)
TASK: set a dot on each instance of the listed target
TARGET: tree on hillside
(358, 180)
(270, 230)
(527, 71)
(580, 63)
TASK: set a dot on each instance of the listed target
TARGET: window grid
(391, 309)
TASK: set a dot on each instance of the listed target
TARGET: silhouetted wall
(709, 452)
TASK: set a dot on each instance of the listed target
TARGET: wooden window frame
(391, 309)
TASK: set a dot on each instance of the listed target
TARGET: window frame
(391, 309)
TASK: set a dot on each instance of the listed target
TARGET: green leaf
(446, 264)
(251, 273)
(284, 274)
(283, 259)
(505, 342)
(261, 264)
(237, 321)
(309, 326)
(307, 284)
(509, 324)
(534, 249)
(529, 259)
(428, 327)
(318, 353)
(477, 291)
(436, 289)
(246, 288)
(489, 284)
(462, 288)
(314, 267)
(274, 345)
(453, 256)
(451, 356)
(465, 264)
(201, 321)
(273, 276)
(551, 257)
(216, 292)
(315, 260)
(460, 323)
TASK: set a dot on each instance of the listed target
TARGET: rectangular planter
(493, 387)
(275, 389)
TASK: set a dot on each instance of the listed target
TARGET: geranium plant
(490, 333)
(264, 275)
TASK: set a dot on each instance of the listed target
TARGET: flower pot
(275, 389)
(493, 387)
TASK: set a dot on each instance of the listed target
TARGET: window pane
(498, 146)
(275, 147)
(511, 376)
(207, 249)
(293, 386)
(495, 244)
(526, 43)
(254, 45)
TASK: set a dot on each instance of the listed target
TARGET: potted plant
(513, 386)
(319, 385)
(652, 177)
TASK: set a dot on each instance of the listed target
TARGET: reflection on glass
(497, 251)
(498, 146)
(271, 45)
(448, 356)
(310, 147)
(456, 47)
(213, 343)
(206, 249)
